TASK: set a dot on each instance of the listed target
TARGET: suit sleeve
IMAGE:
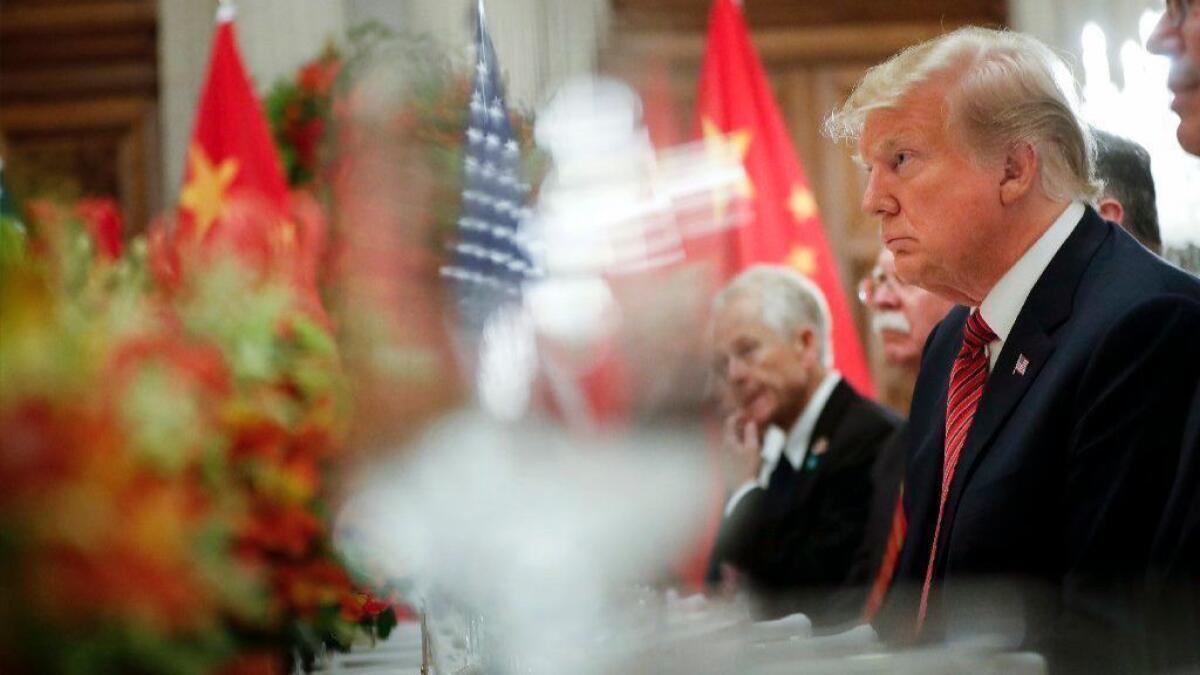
(1131, 404)
(822, 553)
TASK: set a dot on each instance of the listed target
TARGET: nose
(1165, 39)
(877, 198)
(884, 297)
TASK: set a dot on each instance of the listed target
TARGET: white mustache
(890, 320)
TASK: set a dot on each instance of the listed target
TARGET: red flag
(231, 156)
(234, 196)
(736, 112)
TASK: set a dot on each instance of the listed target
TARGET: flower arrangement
(170, 412)
(174, 411)
(313, 109)
(298, 111)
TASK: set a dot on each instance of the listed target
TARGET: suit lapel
(1029, 345)
(822, 433)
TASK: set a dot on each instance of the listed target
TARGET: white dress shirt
(793, 446)
(1004, 302)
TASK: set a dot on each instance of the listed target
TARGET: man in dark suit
(1049, 411)
(1175, 573)
(801, 443)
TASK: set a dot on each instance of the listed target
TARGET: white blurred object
(1140, 110)
(610, 204)
(572, 310)
(527, 528)
(791, 627)
(507, 363)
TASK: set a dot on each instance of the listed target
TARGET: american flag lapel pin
(1022, 364)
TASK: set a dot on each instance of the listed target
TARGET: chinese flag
(231, 156)
(737, 113)
(234, 196)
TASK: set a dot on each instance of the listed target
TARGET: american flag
(490, 258)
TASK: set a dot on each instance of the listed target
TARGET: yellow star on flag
(801, 204)
(804, 260)
(722, 147)
(204, 195)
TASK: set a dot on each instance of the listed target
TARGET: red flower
(317, 78)
(197, 363)
(305, 136)
(103, 221)
(163, 257)
(287, 532)
(356, 606)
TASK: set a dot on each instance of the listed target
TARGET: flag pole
(225, 10)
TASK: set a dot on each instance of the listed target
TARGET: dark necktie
(782, 475)
(967, 378)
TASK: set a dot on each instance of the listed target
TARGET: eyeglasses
(877, 279)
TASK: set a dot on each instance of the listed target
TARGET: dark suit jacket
(886, 478)
(1174, 602)
(795, 545)
(1066, 468)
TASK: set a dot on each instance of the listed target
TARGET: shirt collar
(1003, 303)
(794, 445)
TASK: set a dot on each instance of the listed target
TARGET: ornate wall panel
(79, 97)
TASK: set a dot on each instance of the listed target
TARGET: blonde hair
(1006, 88)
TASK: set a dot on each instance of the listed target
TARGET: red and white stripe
(967, 378)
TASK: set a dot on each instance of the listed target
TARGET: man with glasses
(901, 314)
(800, 443)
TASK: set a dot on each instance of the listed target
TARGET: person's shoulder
(868, 416)
(1126, 269)
(1175, 315)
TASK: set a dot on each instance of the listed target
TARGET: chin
(899, 358)
(1189, 136)
(907, 265)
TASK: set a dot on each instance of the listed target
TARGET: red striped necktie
(967, 378)
(887, 565)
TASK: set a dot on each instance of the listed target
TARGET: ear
(1111, 209)
(1021, 164)
(804, 338)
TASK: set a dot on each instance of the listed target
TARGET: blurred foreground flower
(168, 418)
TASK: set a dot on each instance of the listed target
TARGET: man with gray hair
(800, 443)
(1050, 404)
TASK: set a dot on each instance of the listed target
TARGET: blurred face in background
(902, 315)
(767, 377)
(1177, 37)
